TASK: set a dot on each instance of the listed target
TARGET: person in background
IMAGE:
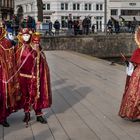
(49, 26)
(70, 26)
(57, 27)
(134, 25)
(109, 27)
(93, 28)
(76, 27)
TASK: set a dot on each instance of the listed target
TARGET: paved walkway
(86, 97)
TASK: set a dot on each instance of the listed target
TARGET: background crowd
(71, 26)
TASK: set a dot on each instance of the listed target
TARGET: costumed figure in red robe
(34, 75)
(8, 78)
(130, 105)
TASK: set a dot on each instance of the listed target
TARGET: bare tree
(40, 10)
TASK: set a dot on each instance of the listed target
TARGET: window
(114, 12)
(76, 6)
(99, 7)
(44, 6)
(64, 6)
(76, 17)
(130, 12)
(48, 6)
(99, 23)
(87, 6)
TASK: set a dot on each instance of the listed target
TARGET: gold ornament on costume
(19, 37)
(3, 32)
(137, 36)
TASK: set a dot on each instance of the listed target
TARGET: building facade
(6, 9)
(124, 8)
(25, 8)
(61, 9)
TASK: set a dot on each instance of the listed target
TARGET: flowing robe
(8, 79)
(34, 78)
(130, 105)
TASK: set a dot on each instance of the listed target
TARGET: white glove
(130, 69)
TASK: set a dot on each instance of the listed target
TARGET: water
(117, 60)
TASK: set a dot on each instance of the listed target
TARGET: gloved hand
(130, 69)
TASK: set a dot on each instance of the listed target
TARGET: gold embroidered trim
(27, 75)
(3, 34)
(38, 74)
(137, 35)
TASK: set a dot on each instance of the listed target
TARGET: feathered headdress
(137, 36)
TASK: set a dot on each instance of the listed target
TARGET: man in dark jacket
(57, 27)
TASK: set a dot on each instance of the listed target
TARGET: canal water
(117, 60)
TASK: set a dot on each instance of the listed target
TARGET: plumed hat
(26, 31)
(10, 30)
(36, 38)
(137, 36)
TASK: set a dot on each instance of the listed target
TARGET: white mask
(26, 37)
(10, 36)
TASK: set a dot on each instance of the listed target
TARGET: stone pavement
(86, 97)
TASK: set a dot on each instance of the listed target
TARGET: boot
(27, 118)
(5, 123)
(41, 120)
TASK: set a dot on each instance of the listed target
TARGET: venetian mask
(26, 37)
(10, 36)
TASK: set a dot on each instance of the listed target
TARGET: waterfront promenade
(86, 97)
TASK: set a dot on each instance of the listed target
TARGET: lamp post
(105, 14)
(0, 10)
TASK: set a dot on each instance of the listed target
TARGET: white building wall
(29, 7)
(125, 5)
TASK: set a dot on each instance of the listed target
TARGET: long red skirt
(130, 105)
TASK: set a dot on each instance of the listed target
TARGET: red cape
(135, 58)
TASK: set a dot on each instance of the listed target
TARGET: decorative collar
(137, 36)
(3, 34)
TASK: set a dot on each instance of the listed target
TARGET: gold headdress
(36, 37)
(1, 23)
(137, 36)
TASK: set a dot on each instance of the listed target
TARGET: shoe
(27, 117)
(5, 123)
(41, 119)
(135, 120)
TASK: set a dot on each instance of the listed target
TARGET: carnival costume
(34, 76)
(130, 105)
(8, 78)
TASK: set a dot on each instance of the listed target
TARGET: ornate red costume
(34, 76)
(130, 106)
(8, 78)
